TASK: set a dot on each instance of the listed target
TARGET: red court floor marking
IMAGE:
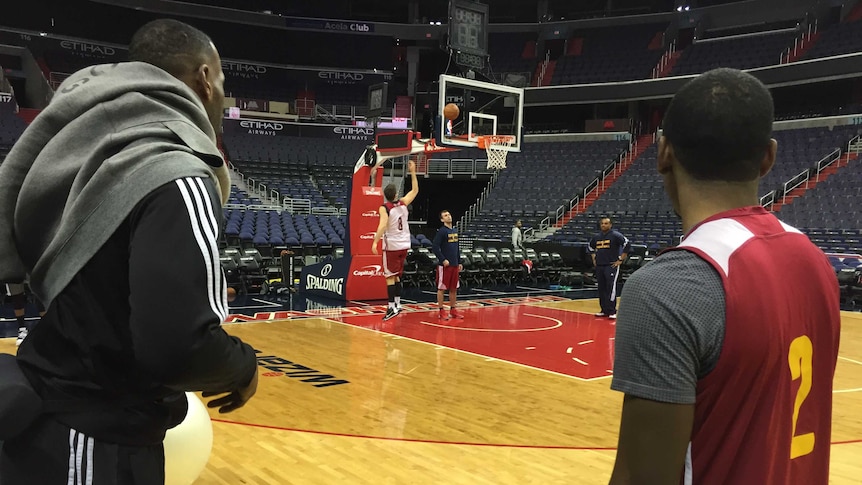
(571, 343)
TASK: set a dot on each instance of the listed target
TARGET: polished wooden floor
(362, 402)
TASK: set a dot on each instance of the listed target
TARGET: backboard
(486, 109)
(396, 144)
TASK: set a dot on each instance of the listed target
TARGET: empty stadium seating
(641, 210)
(266, 228)
(800, 149)
(316, 169)
(637, 204)
(830, 213)
(513, 52)
(609, 54)
(538, 180)
(844, 38)
(745, 52)
(11, 127)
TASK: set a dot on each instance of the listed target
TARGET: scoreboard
(468, 27)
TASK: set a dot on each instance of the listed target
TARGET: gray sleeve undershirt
(670, 328)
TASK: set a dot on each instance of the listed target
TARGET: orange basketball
(451, 111)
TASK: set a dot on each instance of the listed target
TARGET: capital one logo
(370, 214)
(367, 235)
(370, 270)
(325, 270)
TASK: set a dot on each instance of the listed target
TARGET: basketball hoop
(497, 148)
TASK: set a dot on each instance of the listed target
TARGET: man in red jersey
(725, 349)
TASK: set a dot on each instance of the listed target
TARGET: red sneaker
(443, 315)
(456, 314)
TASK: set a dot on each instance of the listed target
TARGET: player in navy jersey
(608, 249)
(726, 345)
(395, 232)
(446, 248)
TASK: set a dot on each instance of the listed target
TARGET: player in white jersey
(395, 232)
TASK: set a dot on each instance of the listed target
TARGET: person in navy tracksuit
(608, 249)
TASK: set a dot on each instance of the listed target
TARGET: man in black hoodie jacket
(114, 197)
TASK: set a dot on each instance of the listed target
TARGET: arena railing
(296, 206)
(477, 206)
(826, 161)
(805, 176)
(665, 59)
(597, 182)
(767, 200)
(851, 147)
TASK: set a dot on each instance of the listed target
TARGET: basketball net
(496, 148)
(421, 161)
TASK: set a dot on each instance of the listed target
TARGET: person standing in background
(446, 248)
(517, 236)
(608, 250)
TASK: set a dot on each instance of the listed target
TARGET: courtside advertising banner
(364, 214)
(328, 279)
(347, 278)
(269, 128)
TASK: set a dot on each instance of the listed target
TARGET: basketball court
(517, 392)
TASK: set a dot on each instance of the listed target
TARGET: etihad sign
(341, 76)
(265, 128)
(87, 48)
(458, 99)
(262, 125)
(354, 133)
(353, 130)
(242, 67)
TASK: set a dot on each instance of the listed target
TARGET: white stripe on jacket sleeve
(205, 229)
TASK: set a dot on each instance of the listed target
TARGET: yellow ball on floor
(188, 445)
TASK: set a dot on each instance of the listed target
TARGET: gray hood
(112, 134)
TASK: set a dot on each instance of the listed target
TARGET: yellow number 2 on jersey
(799, 358)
